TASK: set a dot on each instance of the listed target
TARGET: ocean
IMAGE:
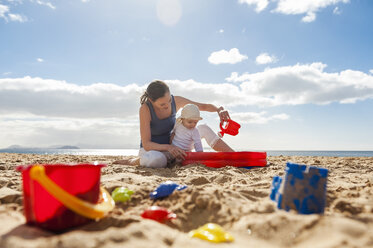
(128, 152)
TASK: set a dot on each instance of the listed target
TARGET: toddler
(185, 134)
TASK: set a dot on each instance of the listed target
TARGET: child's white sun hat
(190, 111)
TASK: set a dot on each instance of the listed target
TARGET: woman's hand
(176, 152)
(223, 114)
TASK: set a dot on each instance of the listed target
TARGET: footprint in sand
(344, 206)
(221, 179)
(253, 194)
(8, 195)
(198, 181)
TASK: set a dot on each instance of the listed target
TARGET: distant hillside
(15, 147)
(67, 147)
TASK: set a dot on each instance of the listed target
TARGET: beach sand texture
(237, 199)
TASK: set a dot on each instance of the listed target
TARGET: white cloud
(17, 18)
(234, 78)
(232, 56)
(265, 58)
(48, 4)
(85, 1)
(225, 94)
(308, 7)
(257, 118)
(221, 31)
(42, 112)
(371, 71)
(53, 98)
(40, 60)
(3, 10)
(7, 15)
(43, 132)
(298, 84)
(260, 4)
(304, 84)
(310, 17)
(337, 11)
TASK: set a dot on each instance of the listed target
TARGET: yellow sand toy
(211, 232)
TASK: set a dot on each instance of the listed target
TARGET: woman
(157, 119)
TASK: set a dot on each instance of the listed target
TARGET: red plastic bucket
(44, 210)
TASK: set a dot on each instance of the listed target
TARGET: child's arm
(197, 140)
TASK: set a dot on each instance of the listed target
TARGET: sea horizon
(134, 152)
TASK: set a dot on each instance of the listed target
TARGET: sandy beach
(237, 199)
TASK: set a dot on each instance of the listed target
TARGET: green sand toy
(121, 194)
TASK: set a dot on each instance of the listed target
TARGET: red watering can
(229, 127)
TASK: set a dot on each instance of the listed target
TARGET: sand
(237, 199)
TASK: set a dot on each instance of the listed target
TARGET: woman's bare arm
(145, 134)
(182, 101)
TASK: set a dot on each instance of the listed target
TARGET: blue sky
(296, 74)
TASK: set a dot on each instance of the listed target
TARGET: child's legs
(152, 159)
(208, 134)
(213, 139)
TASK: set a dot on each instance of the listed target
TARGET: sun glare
(169, 11)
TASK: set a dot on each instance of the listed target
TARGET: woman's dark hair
(155, 90)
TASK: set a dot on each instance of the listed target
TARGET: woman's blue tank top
(161, 129)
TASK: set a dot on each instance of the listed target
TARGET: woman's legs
(213, 139)
(156, 159)
(152, 159)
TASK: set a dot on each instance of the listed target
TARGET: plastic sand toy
(165, 189)
(61, 196)
(159, 214)
(121, 194)
(229, 127)
(212, 232)
(303, 189)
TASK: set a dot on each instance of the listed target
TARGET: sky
(297, 75)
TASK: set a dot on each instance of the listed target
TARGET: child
(185, 134)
